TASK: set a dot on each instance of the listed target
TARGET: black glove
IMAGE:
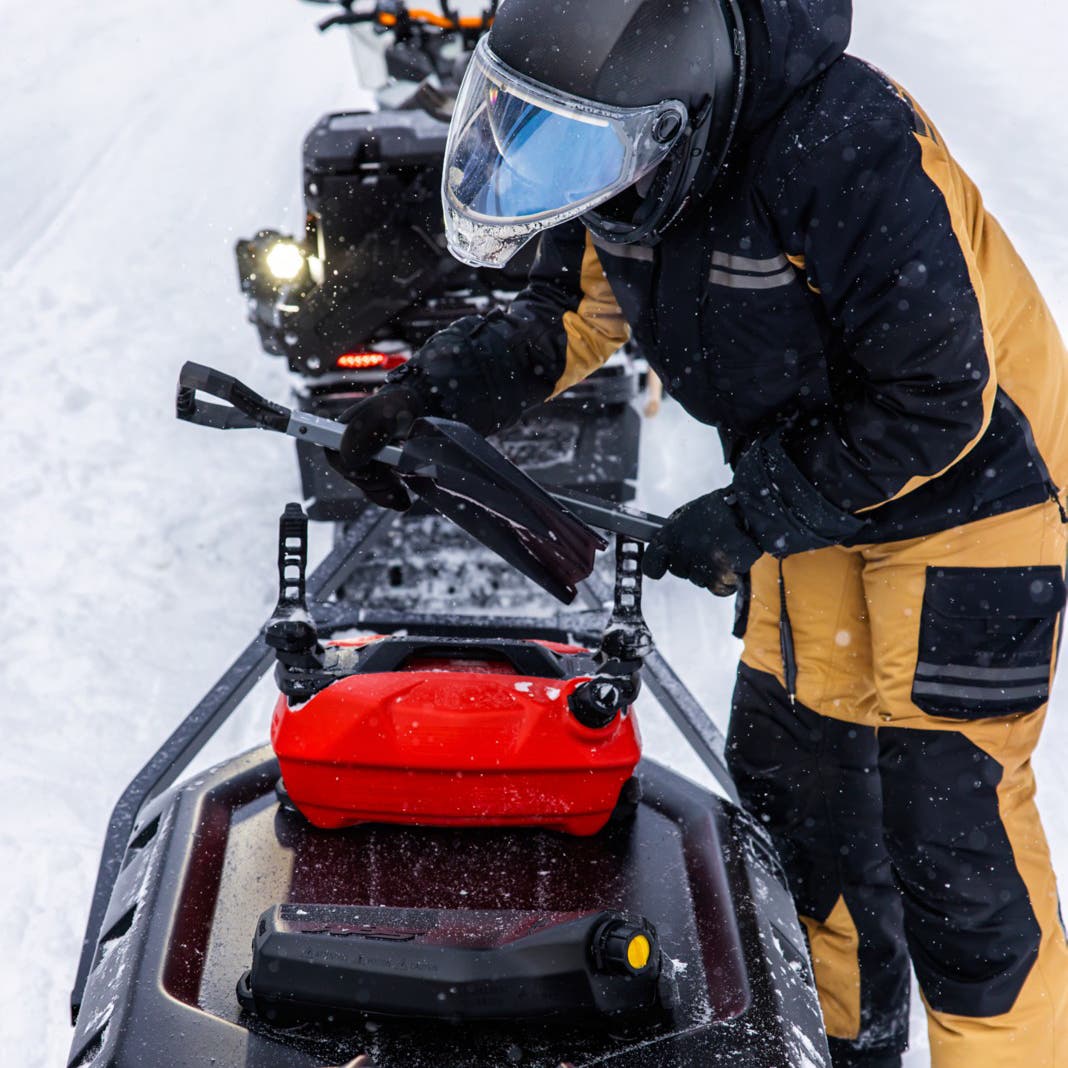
(706, 542)
(374, 422)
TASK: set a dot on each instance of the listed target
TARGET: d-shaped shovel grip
(245, 409)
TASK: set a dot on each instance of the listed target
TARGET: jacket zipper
(786, 643)
(1055, 496)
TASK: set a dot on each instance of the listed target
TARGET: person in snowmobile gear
(787, 237)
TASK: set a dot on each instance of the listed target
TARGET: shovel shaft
(607, 515)
(328, 433)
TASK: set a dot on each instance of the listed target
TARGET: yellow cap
(638, 952)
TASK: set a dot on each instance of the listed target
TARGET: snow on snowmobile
(371, 279)
(453, 853)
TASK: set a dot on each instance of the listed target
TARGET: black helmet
(618, 111)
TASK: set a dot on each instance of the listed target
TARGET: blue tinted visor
(522, 157)
(521, 160)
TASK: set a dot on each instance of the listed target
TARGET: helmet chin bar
(647, 222)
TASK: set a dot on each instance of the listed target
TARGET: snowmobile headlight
(285, 260)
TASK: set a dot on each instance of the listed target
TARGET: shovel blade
(459, 474)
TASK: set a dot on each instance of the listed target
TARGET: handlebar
(442, 22)
(348, 19)
(397, 15)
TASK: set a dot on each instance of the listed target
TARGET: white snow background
(137, 141)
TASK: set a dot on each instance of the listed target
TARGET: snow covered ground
(138, 141)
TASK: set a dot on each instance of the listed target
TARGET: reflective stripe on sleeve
(753, 281)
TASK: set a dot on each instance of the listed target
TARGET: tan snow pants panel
(944, 647)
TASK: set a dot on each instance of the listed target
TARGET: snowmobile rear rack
(471, 452)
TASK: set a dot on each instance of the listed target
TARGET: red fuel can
(445, 733)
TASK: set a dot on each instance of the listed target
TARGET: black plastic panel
(163, 990)
(314, 962)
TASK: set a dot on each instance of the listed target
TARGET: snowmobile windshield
(523, 157)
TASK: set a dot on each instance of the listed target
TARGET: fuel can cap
(627, 946)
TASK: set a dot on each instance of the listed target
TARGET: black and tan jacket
(874, 353)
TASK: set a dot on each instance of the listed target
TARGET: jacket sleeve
(878, 218)
(487, 370)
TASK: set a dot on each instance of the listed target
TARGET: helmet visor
(523, 157)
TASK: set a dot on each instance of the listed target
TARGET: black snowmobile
(406, 879)
(371, 279)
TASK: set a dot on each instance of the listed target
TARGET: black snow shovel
(546, 536)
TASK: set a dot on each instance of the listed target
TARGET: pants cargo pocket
(986, 640)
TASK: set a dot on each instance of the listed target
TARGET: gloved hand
(374, 422)
(706, 542)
